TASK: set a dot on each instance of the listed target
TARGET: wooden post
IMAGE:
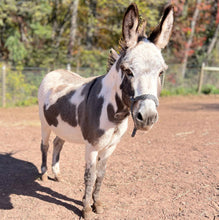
(68, 66)
(3, 84)
(163, 78)
(201, 78)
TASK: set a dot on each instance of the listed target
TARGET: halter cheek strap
(138, 98)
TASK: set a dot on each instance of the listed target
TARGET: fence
(20, 86)
(204, 69)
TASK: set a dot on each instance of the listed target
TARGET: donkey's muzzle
(146, 120)
(146, 115)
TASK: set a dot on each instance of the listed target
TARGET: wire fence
(20, 86)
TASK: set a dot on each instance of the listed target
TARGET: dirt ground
(171, 172)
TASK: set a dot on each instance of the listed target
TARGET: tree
(195, 25)
(51, 33)
(74, 12)
(189, 42)
(213, 42)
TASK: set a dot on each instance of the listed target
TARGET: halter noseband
(138, 98)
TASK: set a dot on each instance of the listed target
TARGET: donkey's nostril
(139, 117)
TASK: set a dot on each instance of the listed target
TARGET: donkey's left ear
(130, 25)
(161, 34)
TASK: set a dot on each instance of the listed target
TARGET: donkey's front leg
(89, 179)
(101, 169)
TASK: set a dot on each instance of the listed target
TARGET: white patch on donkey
(95, 111)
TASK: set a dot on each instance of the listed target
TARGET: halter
(138, 98)
(144, 39)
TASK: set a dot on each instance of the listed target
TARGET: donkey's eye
(161, 73)
(129, 73)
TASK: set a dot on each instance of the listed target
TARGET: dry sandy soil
(172, 172)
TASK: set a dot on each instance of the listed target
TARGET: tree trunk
(54, 19)
(213, 42)
(189, 42)
(58, 29)
(74, 12)
(91, 23)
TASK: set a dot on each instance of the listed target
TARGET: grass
(207, 90)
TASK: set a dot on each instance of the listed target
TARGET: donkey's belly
(67, 132)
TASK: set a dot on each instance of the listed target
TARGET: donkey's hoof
(58, 178)
(87, 213)
(98, 207)
(44, 177)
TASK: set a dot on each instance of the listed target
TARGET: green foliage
(94, 62)
(207, 90)
(38, 31)
(210, 89)
(19, 91)
(178, 91)
(16, 48)
(165, 92)
(42, 31)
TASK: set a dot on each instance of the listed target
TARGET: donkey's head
(141, 65)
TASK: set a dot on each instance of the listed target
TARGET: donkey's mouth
(143, 127)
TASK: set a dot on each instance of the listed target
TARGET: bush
(178, 91)
(19, 91)
(165, 92)
(210, 89)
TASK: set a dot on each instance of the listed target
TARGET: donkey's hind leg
(57, 147)
(44, 149)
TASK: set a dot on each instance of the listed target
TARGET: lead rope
(137, 98)
(132, 105)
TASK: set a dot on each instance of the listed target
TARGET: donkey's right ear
(130, 25)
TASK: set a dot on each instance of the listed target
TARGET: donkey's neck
(111, 83)
(116, 108)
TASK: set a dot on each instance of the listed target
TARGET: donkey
(95, 111)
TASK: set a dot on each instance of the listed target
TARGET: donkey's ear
(112, 59)
(130, 25)
(161, 34)
(114, 54)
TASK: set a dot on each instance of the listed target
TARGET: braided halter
(138, 98)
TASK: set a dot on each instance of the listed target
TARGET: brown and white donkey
(95, 111)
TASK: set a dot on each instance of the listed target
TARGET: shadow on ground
(19, 177)
(194, 107)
